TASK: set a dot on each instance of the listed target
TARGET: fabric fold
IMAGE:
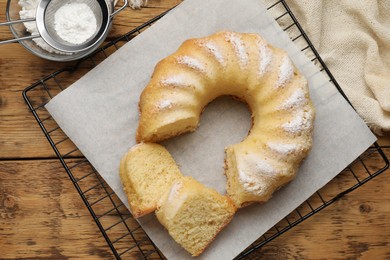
(353, 38)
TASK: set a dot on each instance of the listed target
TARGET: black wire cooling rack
(122, 232)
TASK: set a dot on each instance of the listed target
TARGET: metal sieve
(44, 20)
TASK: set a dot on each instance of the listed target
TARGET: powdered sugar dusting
(262, 166)
(178, 80)
(286, 72)
(283, 148)
(265, 57)
(164, 104)
(301, 122)
(175, 190)
(192, 63)
(213, 49)
(251, 171)
(251, 182)
(174, 201)
(239, 48)
(297, 99)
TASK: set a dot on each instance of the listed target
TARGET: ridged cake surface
(247, 67)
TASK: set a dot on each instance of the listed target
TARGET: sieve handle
(125, 3)
(21, 38)
(17, 21)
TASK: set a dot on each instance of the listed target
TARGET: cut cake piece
(147, 171)
(194, 214)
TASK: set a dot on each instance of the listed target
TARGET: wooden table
(43, 217)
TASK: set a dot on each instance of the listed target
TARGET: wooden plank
(384, 140)
(43, 216)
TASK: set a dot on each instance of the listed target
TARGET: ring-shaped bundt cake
(248, 68)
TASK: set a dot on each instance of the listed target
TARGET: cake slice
(147, 171)
(194, 214)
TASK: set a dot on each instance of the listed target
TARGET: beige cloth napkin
(353, 38)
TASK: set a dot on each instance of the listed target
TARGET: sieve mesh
(54, 5)
(46, 23)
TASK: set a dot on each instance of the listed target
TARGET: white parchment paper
(99, 113)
